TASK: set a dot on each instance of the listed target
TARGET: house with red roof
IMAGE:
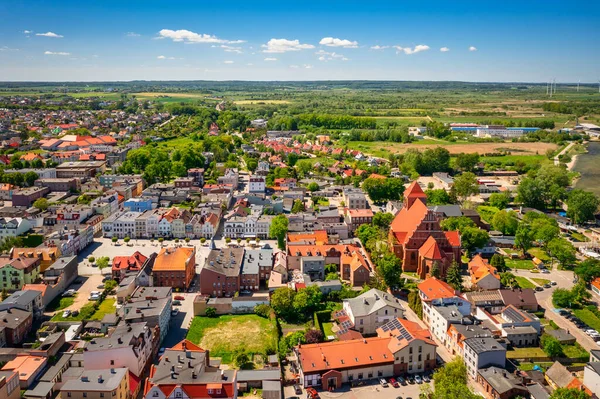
(122, 265)
(417, 238)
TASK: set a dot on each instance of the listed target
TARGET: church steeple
(414, 193)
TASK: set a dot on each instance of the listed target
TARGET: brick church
(417, 238)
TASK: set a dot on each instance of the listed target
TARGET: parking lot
(366, 391)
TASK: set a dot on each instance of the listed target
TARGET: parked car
(426, 378)
(174, 312)
(179, 297)
(552, 282)
(297, 389)
(401, 380)
(383, 382)
(539, 288)
(70, 292)
(66, 313)
(311, 393)
(100, 287)
(418, 379)
(545, 271)
(176, 303)
(411, 379)
(393, 382)
(547, 285)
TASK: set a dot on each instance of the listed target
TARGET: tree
(563, 251)
(298, 206)
(435, 271)
(30, 178)
(389, 268)
(304, 166)
(282, 302)
(465, 185)
(498, 262)
(41, 204)
(382, 220)
(454, 276)
(588, 270)
(380, 190)
(102, 262)
(313, 336)
(569, 393)
(582, 206)
(473, 237)
(506, 222)
(450, 382)
(562, 298)
(466, 162)
(110, 285)
(500, 200)
(551, 346)
(240, 358)
(457, 223)
(524, 237)
(126, 239)
(278, 230)
(508, 279)
(580, 293)
(530, 193)
(211, 312)
(414, 302)
(438, 197)
(313, 186)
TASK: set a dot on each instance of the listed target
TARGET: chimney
(100, 380)
(112, 371)
(222, 374)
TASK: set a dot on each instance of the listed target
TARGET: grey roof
(21, 297)
(143, 293)
(450, 313)
(485, 344)
(146, 308)
(259, 375)
(256, 258)
(470, 331)
(537, 391)
(501, 380)
(595, 353)
(371, 301)
(520, 330)
(482, 298)
(124, 335)
(62, 262)
(12, 318)
(271, 386)
(594, 366)
(447, 210)
(226, 261)
(560, 335)
(97, 380)
(559, 374)
(53, 371)
(40, 390)
(183, 366)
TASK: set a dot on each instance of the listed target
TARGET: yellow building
(98, 384)
(46, 255)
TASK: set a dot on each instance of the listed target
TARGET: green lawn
(525, 366)
(224, 334)
(575, 351)
(588, 318)
(579, 237)
(540, 281)
(87, 311)
(60, 303)
(523, 353)
(519, 264)
(540, 254)
(524, 282)
(327, 329)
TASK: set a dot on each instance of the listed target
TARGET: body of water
(589, 166)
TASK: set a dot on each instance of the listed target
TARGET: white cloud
(307, 66)
(56, 53)
(49, 34)
(184, 35)
(270, 59)
(285, 45)
(132, 34)
(378, 47)
(327, 56)
(472, 48)
(6, 48)
(444, 49)
(408, 50)
(231, 49)
(228, 62)
(335, 42)
(27, 32)
(162, 57)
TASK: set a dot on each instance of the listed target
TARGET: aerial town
(182, 216)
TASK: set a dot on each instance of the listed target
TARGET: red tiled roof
(453, 237)
(407, 221)
(431, 250)
(414, 190)
(432, 288)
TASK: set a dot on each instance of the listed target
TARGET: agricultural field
(224, 334)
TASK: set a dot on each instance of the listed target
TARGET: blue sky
(528, 41)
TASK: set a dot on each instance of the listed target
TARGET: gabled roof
(414, 190)
(559, 375)
(431, 250)
(407, 220)
(402, 332)
(453, 237)
(432, 288)
(371, 301)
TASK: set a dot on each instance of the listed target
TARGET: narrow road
(564, 151)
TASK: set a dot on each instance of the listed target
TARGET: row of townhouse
(162, 222)
(248, 226)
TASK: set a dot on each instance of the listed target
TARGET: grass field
(540, 281)
(87, 311)
(588, 318)
(523, 264)
(540, 254)
(60, 303)
(224, 334)
(260, 102)
(327, 329)
(524, 282)
(575, 351)
(523, 353)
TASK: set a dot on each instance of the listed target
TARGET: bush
(211, 312)
(264, 310)
(91, 259)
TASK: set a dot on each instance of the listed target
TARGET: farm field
(224, 334)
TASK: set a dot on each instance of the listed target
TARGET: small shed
(271, 390)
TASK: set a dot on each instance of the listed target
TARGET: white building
(12, 227)
(120, 225)
(481, 353)
(498, 131)
(372, 309)
(257, 184)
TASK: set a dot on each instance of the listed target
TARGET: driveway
(180, 323)
(368, 391)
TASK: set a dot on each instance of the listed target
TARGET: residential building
(521, 298)
(198, 175)
(16, 324)
(28, 367)
(481, 353)
(174, 267)
(27, 196)
(97, 384)
(501, 384)
(129, 346)
(519, 327)
(70, 217)
(18, 271)
(56, 184)
(46, 255)
(442, 315)
(257, 184)
(591, 377)
(437, 292)
(354, 199)
(458, 333)
(12, 227)
(313, 266)
(417, 238)
(82, 169)
(355, 269)
(220, 275)
(357, 217)
(231, 177)
(28, 300)
(185, 371)
(483, 275)
(559, 376)
(490, 301)
(150, 305)
(259, 260)
(371, 310)
(120, 225)
(107, 204)
(123, 265)
(138, 204)
(9, 385)
(183, 182)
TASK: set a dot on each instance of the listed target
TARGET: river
(588, 165)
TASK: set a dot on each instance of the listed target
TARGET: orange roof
(35, 287)
(478, 261)
(303, 250)
(170, 259)
(133, 262)
(45, 252)
(376, 176)
(407, 221)
(414, 190)
(187, 345)
(26, 365)
(345, 354)
(30, 156)
(432, 288)
(319, 237)
(400, 339)
(577, 384)
(480, 268)
(431, 250)
(364, 213)
(453, 237)
(596, 282)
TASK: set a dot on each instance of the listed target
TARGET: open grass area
(224, 334)
(540, 281)
(60, 303)
(523, 264)
(523, 353)
(524, 282)
(575, 351)
(579, 237)
(87, 311)
(588, 317)
(526, 366)
(540, 254)
(327, 329)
